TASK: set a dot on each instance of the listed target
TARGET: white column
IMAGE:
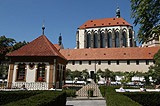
(54, 71)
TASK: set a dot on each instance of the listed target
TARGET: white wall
(142, 67)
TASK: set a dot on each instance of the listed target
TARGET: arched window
(21, 72)
(117, 39)
(109, 40)
(41, 72)
(102, 40)
(124, 38)
(95, 41)
(88, 40)
(130, 38)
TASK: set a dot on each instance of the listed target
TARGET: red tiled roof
(104, 22)
(110, 53)
(57, 46)
(41, 46)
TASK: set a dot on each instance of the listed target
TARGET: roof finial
(43, 27)
(60, 39)
(118, 11)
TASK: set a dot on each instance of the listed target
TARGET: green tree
(85, 74)
(146, 13)
(154, 70)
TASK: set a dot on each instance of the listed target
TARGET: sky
(23, 19)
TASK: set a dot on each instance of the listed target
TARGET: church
(108, 44)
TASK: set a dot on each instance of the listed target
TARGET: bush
(145, 98)
(9, 96)
(116, 99)
(46, 98)
(70, 92)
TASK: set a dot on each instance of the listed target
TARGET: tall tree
(147, 14)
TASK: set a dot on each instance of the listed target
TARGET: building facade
(38, 65)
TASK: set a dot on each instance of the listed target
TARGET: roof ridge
(49, 43)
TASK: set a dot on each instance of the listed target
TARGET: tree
(85, 74)
(154, 70)
(147, 14)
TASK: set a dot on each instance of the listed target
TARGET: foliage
(154, 70)
(10, 96)
(147, 14)
(145, 98)
(85, 74)
(70, 92)
(46, 98)
(116, 99)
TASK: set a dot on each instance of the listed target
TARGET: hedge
(9, 96)
(116, 99)
(70, 92)
(145, 98)
(46, 98)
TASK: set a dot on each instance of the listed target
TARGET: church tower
(106, 33)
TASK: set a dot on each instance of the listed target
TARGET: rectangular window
(73, 62)
(147, 62)
(109, 62)
(137, 62)
(117, 62)
(89, 62)
(128, 62)
(99, 62)
(80, 62)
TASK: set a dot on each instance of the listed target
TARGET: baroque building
(106, 33)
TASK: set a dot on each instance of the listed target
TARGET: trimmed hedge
(145, 98)
(9, 96)
(116, 99)
(70, 92)
(46, 98)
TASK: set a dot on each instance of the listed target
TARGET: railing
(28, 86)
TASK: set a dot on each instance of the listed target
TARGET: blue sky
(23, 19)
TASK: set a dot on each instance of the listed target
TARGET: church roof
(104, 22)
(41, 46)
(128, 53)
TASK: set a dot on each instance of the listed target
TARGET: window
(64, 72)
(109, 40)
(99, 62)
(128, 62)
(117, 39)
(109, 62)
(117, 62)
(147, 62)
(131, 37)
(137, 62)
(21, 72)
(89, 62)
(95, 41)
(124, 39)
(80, 62)
(88, 40)
(58, 73)
(73, 62)
(102, 40)
(41, 72)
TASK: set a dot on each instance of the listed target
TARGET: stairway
(83, 92)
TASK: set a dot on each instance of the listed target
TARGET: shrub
(9, 96)
(116, 99)
(46, 98)
(145, 98)
(70, 92)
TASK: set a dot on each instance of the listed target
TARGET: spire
(118, 11)
(43, 27)
(60, 39)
